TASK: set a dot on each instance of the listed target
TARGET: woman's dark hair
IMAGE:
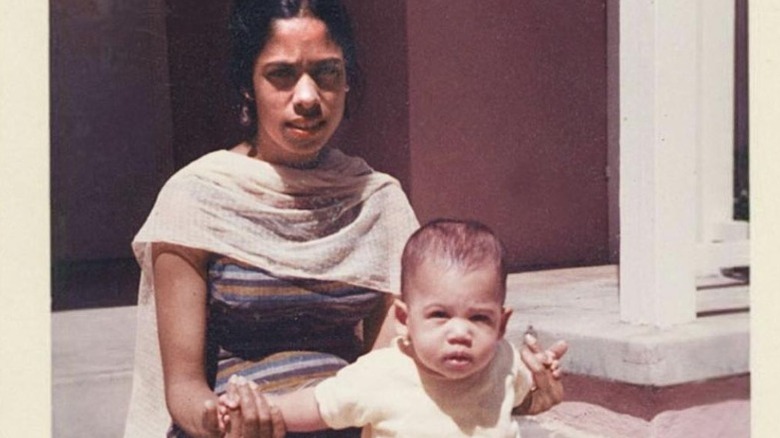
(250, 28)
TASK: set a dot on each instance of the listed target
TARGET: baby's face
(454, 318)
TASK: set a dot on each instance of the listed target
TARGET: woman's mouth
(306, 128)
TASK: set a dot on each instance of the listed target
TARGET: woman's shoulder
(208, 162)
(221, 166)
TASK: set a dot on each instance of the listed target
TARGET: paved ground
(92, 360)
(92, 371)
(730, 419)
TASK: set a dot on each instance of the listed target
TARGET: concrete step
(581, 305)
(93, 351)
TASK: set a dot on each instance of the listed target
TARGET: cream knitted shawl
(341, 221)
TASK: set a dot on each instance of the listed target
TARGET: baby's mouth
(458, 359)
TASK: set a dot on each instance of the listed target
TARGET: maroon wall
(378, 126)
(741, 114)
(490, 109)
(110, 143)
(508, 122)
(203, 99)
(110, 124)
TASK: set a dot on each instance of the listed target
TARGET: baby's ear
(506, 313)
(401, 312)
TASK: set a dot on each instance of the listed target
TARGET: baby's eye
(437, 314)
(486, 319)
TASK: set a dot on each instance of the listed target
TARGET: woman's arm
(180, 298)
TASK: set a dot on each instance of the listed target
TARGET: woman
(275, 259)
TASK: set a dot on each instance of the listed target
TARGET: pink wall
(378, 127)
(202, 97)
(110, 124)
(508, 122)
(489, 109)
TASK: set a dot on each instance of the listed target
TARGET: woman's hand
(247, 414)
(547, 374)
(211, 421)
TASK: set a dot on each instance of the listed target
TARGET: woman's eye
(328, 75)
(281, 73)
(437, 314)
(327, 70)
(282, 77)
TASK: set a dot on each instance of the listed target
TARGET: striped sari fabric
(284, 334)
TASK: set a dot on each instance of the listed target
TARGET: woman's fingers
(530, 358)
(210, 418)
(248, 408)
(275, 426)
(559, 349)
(530, 341)
(555, 352)
(546, 370)
(279, 429)
(234, 426)
(258, 418)
(250, 415)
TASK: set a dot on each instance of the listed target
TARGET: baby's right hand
(253, 414)
(228, 401)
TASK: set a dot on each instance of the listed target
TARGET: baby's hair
(465, 244)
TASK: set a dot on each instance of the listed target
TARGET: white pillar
(658, 106)
(722, 241)
(716, 83)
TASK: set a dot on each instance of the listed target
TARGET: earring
(247, 95)
(243, 116)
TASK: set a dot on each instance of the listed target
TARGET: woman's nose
(306, 98)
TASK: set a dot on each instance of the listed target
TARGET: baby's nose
(459, 332)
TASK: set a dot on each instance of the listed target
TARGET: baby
(450, 373)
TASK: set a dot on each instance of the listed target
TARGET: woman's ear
(401, 315)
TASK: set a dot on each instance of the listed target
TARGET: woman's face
(300, 86)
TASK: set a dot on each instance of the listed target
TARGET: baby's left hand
(546, 371)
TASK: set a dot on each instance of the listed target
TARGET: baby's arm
(299, 408)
